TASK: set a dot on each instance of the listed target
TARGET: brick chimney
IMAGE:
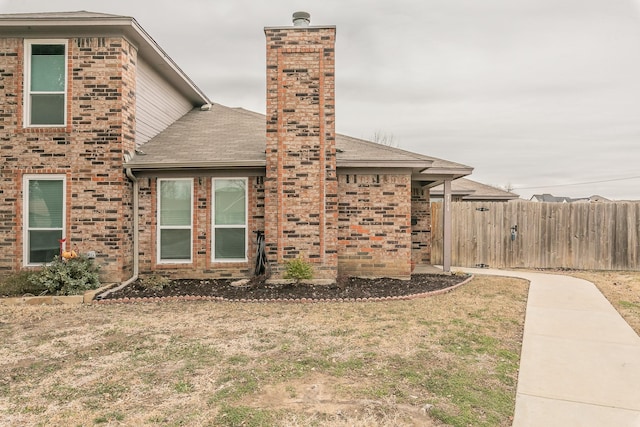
(301, 209)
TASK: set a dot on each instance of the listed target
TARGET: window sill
(46, 129)
(174, 264)
(229, 261)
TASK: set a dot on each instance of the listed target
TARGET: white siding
(158, 104)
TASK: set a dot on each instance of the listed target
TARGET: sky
(540, 96)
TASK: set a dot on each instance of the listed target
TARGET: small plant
(67, 277)
(292, 391)
(459, 273)
(154, 282)
(298, 269)
(183, 387)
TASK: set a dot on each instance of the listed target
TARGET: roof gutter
(194, 166)
(458, 172)
(383, 164)
(124, 25)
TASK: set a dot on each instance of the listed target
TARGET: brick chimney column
(301, 184)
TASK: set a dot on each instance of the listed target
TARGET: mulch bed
(257, 289)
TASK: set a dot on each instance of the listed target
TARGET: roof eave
(460, 193)
(127, 26)
(196, 165)
(447, 172)
(488, 198)
(168, 67)
(383, 164)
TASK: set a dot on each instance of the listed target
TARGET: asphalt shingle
(225, 137)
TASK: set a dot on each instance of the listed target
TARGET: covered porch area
(440, 173)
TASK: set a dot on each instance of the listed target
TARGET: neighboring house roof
(597, 198)
(469, 190)
(83, 23)
(546, 197)
(549, 198)
(224, 137)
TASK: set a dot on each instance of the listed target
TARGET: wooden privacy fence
(598, 236)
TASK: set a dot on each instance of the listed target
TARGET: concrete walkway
(580, 362)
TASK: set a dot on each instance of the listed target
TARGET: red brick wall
(374, 225)
(201, 266)
(100, 128)
(10, 90)
(301, 184)
(421, 226)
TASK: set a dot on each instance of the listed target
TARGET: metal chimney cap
(301, 19)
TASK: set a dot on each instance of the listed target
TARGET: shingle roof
(546, 197)
(220, 137)
(472, 190)
(232, 137)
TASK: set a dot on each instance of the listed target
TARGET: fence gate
(602, 236)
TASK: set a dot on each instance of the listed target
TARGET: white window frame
(213, 220)
(27, 81)
(160, 227)
(25, 212)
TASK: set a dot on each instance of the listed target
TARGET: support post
(446, 226)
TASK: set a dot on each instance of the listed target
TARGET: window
(229, 219)
(45, 82)
(175, 220)
(44, 217)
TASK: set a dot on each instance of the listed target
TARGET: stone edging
(286, 300)
(86, 298)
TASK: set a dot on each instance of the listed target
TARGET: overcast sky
(541, 95)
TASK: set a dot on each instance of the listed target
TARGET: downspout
(134, 277)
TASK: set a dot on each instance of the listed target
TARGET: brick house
(106, 143)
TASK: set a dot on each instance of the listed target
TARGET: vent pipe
(301, 19)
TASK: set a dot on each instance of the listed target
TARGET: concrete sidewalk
(580, 362)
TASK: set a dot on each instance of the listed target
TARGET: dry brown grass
(228, 364)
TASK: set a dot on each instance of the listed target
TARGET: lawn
(450, 359)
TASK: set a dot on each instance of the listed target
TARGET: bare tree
(508, 187)
(385, 138)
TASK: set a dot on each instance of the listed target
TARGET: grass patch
(183, 387)
(108, 418)
(234, 385)
(267, 364)
(110, 391)
(243, 416)
(474, 404)
(178, 349)
(629, 305)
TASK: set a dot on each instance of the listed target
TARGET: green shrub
(298, 269)
(68, 277)
(18, 284)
